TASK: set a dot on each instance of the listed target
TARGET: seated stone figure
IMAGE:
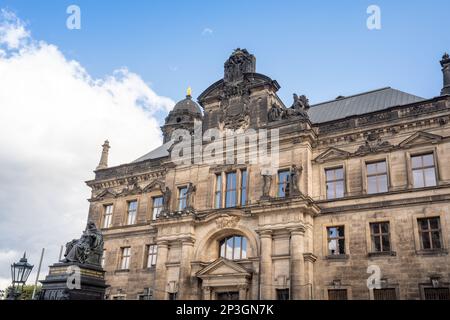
(88, 249)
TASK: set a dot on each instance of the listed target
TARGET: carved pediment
(105, 194)
(332, 154)
(154, 185)
(420, 138)
(131, 189)
(223, 267)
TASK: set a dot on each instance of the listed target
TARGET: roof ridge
(354, 95)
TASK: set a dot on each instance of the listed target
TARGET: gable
(222, 267)
(332, 154)
(420, 138)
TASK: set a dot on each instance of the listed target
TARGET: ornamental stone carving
(227, 221)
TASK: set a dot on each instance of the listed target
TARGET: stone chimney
(103, 164)
(445, 63)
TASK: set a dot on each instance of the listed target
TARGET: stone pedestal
(74, 281)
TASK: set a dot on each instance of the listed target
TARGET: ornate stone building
(357, 209)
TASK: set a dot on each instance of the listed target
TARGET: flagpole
(37, 276)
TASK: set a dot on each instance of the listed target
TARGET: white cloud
(53, 119)
(12, 31)
(207, 32)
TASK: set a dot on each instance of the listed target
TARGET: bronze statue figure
(88, 249)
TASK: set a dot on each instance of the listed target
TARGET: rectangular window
(437, 293)
(385, 294)
(380, 237)
(147, 295)
(423, 171)
(230, 195)
(182, 198)
(152, 251)
(107, 217)
(158, 204)
(336, 240)
(377, 179)
(218, 193)
(120, 297)
(132, 211)
(337, 294)
(283, 179)
(243, 187)
(125, 258)
(335, 183)
(430, 233)
(282, 294)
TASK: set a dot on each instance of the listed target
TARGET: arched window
(233, 248)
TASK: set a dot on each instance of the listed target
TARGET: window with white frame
(182, 195)
(152, 252)
(218, 192)
(230, 190)
(335, 183)
(125, 258)
(158, 205)
(423, 171)
(107, 215)
(377, 178)
(132, 212)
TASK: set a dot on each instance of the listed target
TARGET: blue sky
(318, 48)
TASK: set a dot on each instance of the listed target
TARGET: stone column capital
(267, 234)
(298, 231)
(162, 243)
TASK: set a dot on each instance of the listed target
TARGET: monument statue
(294, 178)
(275, 113)
(190, 196)
(267, 183)
(167, 195)
(82, 258)
(88, 249)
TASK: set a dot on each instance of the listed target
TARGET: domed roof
(188, 105)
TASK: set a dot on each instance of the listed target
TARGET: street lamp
(19, 274)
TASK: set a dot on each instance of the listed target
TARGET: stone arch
(208, 248)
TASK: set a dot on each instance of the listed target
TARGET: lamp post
(19, 274)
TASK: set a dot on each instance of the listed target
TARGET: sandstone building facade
(357, 208)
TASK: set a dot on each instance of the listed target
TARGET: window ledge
(432, 252)
(382, 254)
(338, 257)
(122, 271)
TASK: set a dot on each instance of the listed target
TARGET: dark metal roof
(160, 152)
(359, 104)
(187, 105)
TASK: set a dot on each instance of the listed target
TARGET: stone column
(297, 264)
(266, 265)
(243, 292)
(160, 275)
(184, 286)
(206, 293)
